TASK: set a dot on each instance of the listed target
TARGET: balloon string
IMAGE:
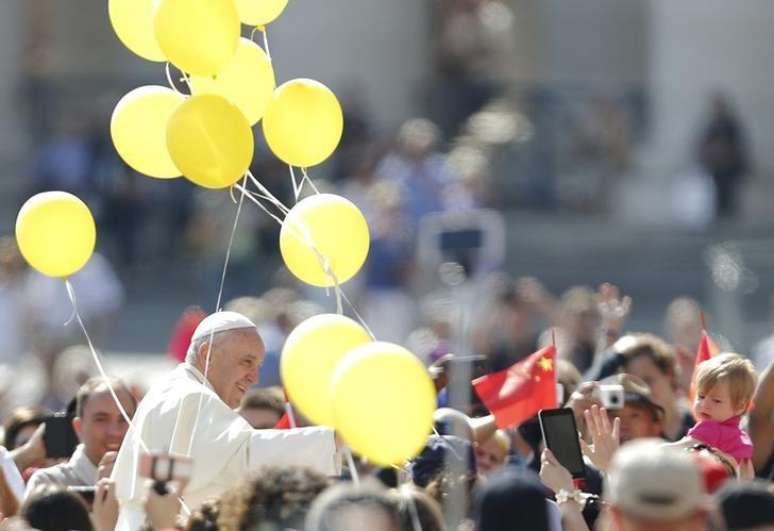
(265, 191)
(217, 309)
(290, 414)
(266, 42)
(74, 301)
(301, 233)
(296, 185)
(169, 77)
(415, 521)
(132, 427)
(307, 179)
(352, 468)
(262, 29)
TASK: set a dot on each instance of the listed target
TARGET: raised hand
(613, 309)
(605, 438)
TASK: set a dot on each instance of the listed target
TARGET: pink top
(726, 436)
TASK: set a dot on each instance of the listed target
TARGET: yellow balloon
(310, 356)
(132, 21)
(259, 12)
(56, 233)
(247, 81)
(210, 141)
(303, 123)
(383, 403)
(324, 229)
(198, 36)
(138, 128)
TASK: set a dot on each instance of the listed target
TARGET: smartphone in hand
(59, 438)
(560, 435)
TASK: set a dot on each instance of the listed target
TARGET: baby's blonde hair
(733, 369)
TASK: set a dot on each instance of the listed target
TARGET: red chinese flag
(707, 349)
(519, 392)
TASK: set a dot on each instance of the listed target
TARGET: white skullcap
(221, 322)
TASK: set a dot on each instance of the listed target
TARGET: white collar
(82, 465)
(197, 375)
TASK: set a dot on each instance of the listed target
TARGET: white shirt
(78, 471)
(224, 448)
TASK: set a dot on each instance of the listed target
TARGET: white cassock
(225, 447)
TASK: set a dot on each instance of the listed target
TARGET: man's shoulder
(61, 475)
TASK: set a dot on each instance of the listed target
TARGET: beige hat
(651, 481)
(221, 322)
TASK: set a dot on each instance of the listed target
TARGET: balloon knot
(261, 28)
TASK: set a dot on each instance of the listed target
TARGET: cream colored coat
(224, 448)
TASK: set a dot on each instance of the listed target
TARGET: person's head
(262, 408)
(346, 507)
(274, 497)
(417, 138)
(747, 506)
(20, 425)
(724, 387)
(442, 453)
(511, 499)
(640, 416)
(653, 361)
(227, 348)
(98, 422)
(652, 487)
(492, 453)
(55, 509)
(414, 502)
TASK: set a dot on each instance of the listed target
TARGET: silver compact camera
(611, 396)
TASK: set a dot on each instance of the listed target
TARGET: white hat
(651, 481)
(221, 322)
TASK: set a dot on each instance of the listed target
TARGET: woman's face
(660, 383)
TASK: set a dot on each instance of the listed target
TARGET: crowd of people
(688, 448)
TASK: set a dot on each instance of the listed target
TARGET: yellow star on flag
(546, 364)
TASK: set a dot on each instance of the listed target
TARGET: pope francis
(194, 415)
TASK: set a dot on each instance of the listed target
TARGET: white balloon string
(307, 179)
(290, 414)
(259, 204)
(296, 185)
(217, 309)
(358, 316)
(98, 362)
(352, 468)
(73, 300)
(266, 42)
(169, 77)
(262, 189)
(228, 250)
(415, 521)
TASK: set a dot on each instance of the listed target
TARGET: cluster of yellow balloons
(377, 395)
(164, 134)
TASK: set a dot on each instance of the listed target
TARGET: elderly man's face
(236, 357)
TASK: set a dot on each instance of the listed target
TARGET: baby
(724, 388)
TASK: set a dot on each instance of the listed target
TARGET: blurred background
(503, 151)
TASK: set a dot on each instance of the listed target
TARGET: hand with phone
(560, 435)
